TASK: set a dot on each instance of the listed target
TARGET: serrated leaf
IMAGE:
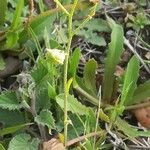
(3, 7)
(45, 118)
(130, 80)
(91, 29)
(113, 58)
(141, 93)
(73, 104)
(95, 24)
(23, 142)
(9, 100)
(2, 63)
(74, 61)
(129, 130)
(17, 16)
(10, 130)
(11, 118)
(89, 76)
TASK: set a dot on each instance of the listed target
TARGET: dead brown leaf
(53, 144)
(143, 116)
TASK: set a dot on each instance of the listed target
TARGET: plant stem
(70, 36)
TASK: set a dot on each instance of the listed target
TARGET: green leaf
(113, 58)
(38, 75)
(141, 93)
(23, 142)
(13, 129)
(51, 91)
(9, 100)
(91, 30)
(38, 23)
(12, 38)
(89, 76)
(129, 130)
(17, 17)
(3, 7)
(45, 118)
(73, 104)
(74, 61)
(2, 63)
(130, 80)
(2, 147)
(11, 118)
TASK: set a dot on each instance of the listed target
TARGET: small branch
(137, 106)
(81, 138)
(127, 43)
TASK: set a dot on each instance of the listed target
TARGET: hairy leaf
(3, 7)
(129, 130)
(113, 58)
(91, 29)
(9, 100)
(142, 93)
(23, 142)
(89, 76)
(73, 104)
(45, 118)
(74, 62)
(130, 80)
(11, 118)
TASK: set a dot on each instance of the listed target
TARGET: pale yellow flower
(58, 56)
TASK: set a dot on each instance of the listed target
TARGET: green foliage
(23, 141)
(2, 63)
(45, 118)
(13, 129)
(3, 8)
(11, 118)
(113, 58)
(9, 100)
(141, 93)
(130, 80)
(74, 60)
(12, 35)
(89, 76)
(91, 31)
(73, 104)
(1, 147)
(43, 96)
(139, 21)
(129, 130)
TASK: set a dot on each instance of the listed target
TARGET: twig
(136, 106)
(81, 138)
(127, 43)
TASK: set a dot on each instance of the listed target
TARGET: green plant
(50, 97)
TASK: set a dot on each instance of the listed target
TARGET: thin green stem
(61, 6)
(70, 36)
